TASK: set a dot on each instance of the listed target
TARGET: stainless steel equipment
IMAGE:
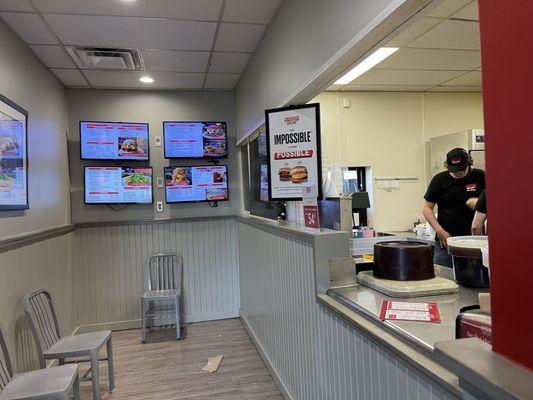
(336, 212)
(472, 140)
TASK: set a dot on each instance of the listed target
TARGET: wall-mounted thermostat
(159, 182)
(158, 141)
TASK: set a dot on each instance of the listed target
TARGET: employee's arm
(471, 203)
(429, 215)
(478, 223)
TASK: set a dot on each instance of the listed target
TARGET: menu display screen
(13, 157)
(195, 139)
(188, 184)
(118, 185)
(114, 141)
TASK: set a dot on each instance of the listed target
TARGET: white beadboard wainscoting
(110, 262)
(38, 263)
(311, 352)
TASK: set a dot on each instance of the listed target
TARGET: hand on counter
(443, 236)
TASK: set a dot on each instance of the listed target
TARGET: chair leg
(143, 321)
(95, 374)
(178, 318)
(110, 366)
(76, 387)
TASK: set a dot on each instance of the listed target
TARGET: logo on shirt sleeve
(471, 187)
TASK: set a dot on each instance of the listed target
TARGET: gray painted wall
(109, 270)
(302, 39)
(24, 80)
(315, 354)
(153, 107)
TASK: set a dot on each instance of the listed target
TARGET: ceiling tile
(451, 34)
(130, 79)
(252, 11)
(29, 27)
(70, 77)
(239, 37)
(435, 59)
(15, 5)
(447, 8)
(471, 11)
(404, 77)
(132, 32)
(470, 79)
(221, 81)
(53, 56)
(414, 31)
(385, 88)
(180, 61)
(206, 10)
(456, 89)
(229, 62)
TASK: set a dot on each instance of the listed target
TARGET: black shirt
(481, 205)
(451, 194)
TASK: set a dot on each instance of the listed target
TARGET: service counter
(323, 342)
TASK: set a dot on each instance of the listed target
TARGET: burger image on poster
(293, 151)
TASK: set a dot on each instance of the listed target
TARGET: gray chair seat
(77, 345)
(49, 383)
(161, 294)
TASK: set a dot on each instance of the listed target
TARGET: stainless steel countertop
(367, 301)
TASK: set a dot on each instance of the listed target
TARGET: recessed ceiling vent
(106, 58)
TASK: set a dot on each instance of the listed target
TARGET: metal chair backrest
(165, 271)
(42, 320)
(6, 370)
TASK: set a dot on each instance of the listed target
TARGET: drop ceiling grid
(47, 15)
(446, 11)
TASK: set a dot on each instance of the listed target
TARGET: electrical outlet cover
(159, 206)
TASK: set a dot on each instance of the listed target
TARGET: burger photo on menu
(130, 145)
(179, 176)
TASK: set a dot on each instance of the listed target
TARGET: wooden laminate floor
(165, 368)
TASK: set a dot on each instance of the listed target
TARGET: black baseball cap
(457, 160)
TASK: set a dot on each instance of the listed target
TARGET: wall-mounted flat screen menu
(187, 184)
(118, 185)
(195, 139)
(114, 141)
(13, 156)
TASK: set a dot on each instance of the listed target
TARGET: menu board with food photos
(13, 156)
(195, 139)
(192, 184)
(114, 141)
(118, 185)
(293, 145)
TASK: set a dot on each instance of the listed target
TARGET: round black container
(470, 272)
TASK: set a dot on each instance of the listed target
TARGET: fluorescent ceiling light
(146, 79)
(371, 61)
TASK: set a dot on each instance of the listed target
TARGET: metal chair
(44, 384)
(44, 326)
(164, 279)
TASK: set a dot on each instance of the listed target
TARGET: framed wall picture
(13, 156)
(294, 153)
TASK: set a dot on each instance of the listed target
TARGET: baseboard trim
(266, 359)
(136, 323)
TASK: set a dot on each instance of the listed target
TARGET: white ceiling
(439, 52)
(185, 44)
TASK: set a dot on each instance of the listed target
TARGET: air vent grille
(106, 58)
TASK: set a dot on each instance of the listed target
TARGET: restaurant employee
(455, 192)
(480, 217)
